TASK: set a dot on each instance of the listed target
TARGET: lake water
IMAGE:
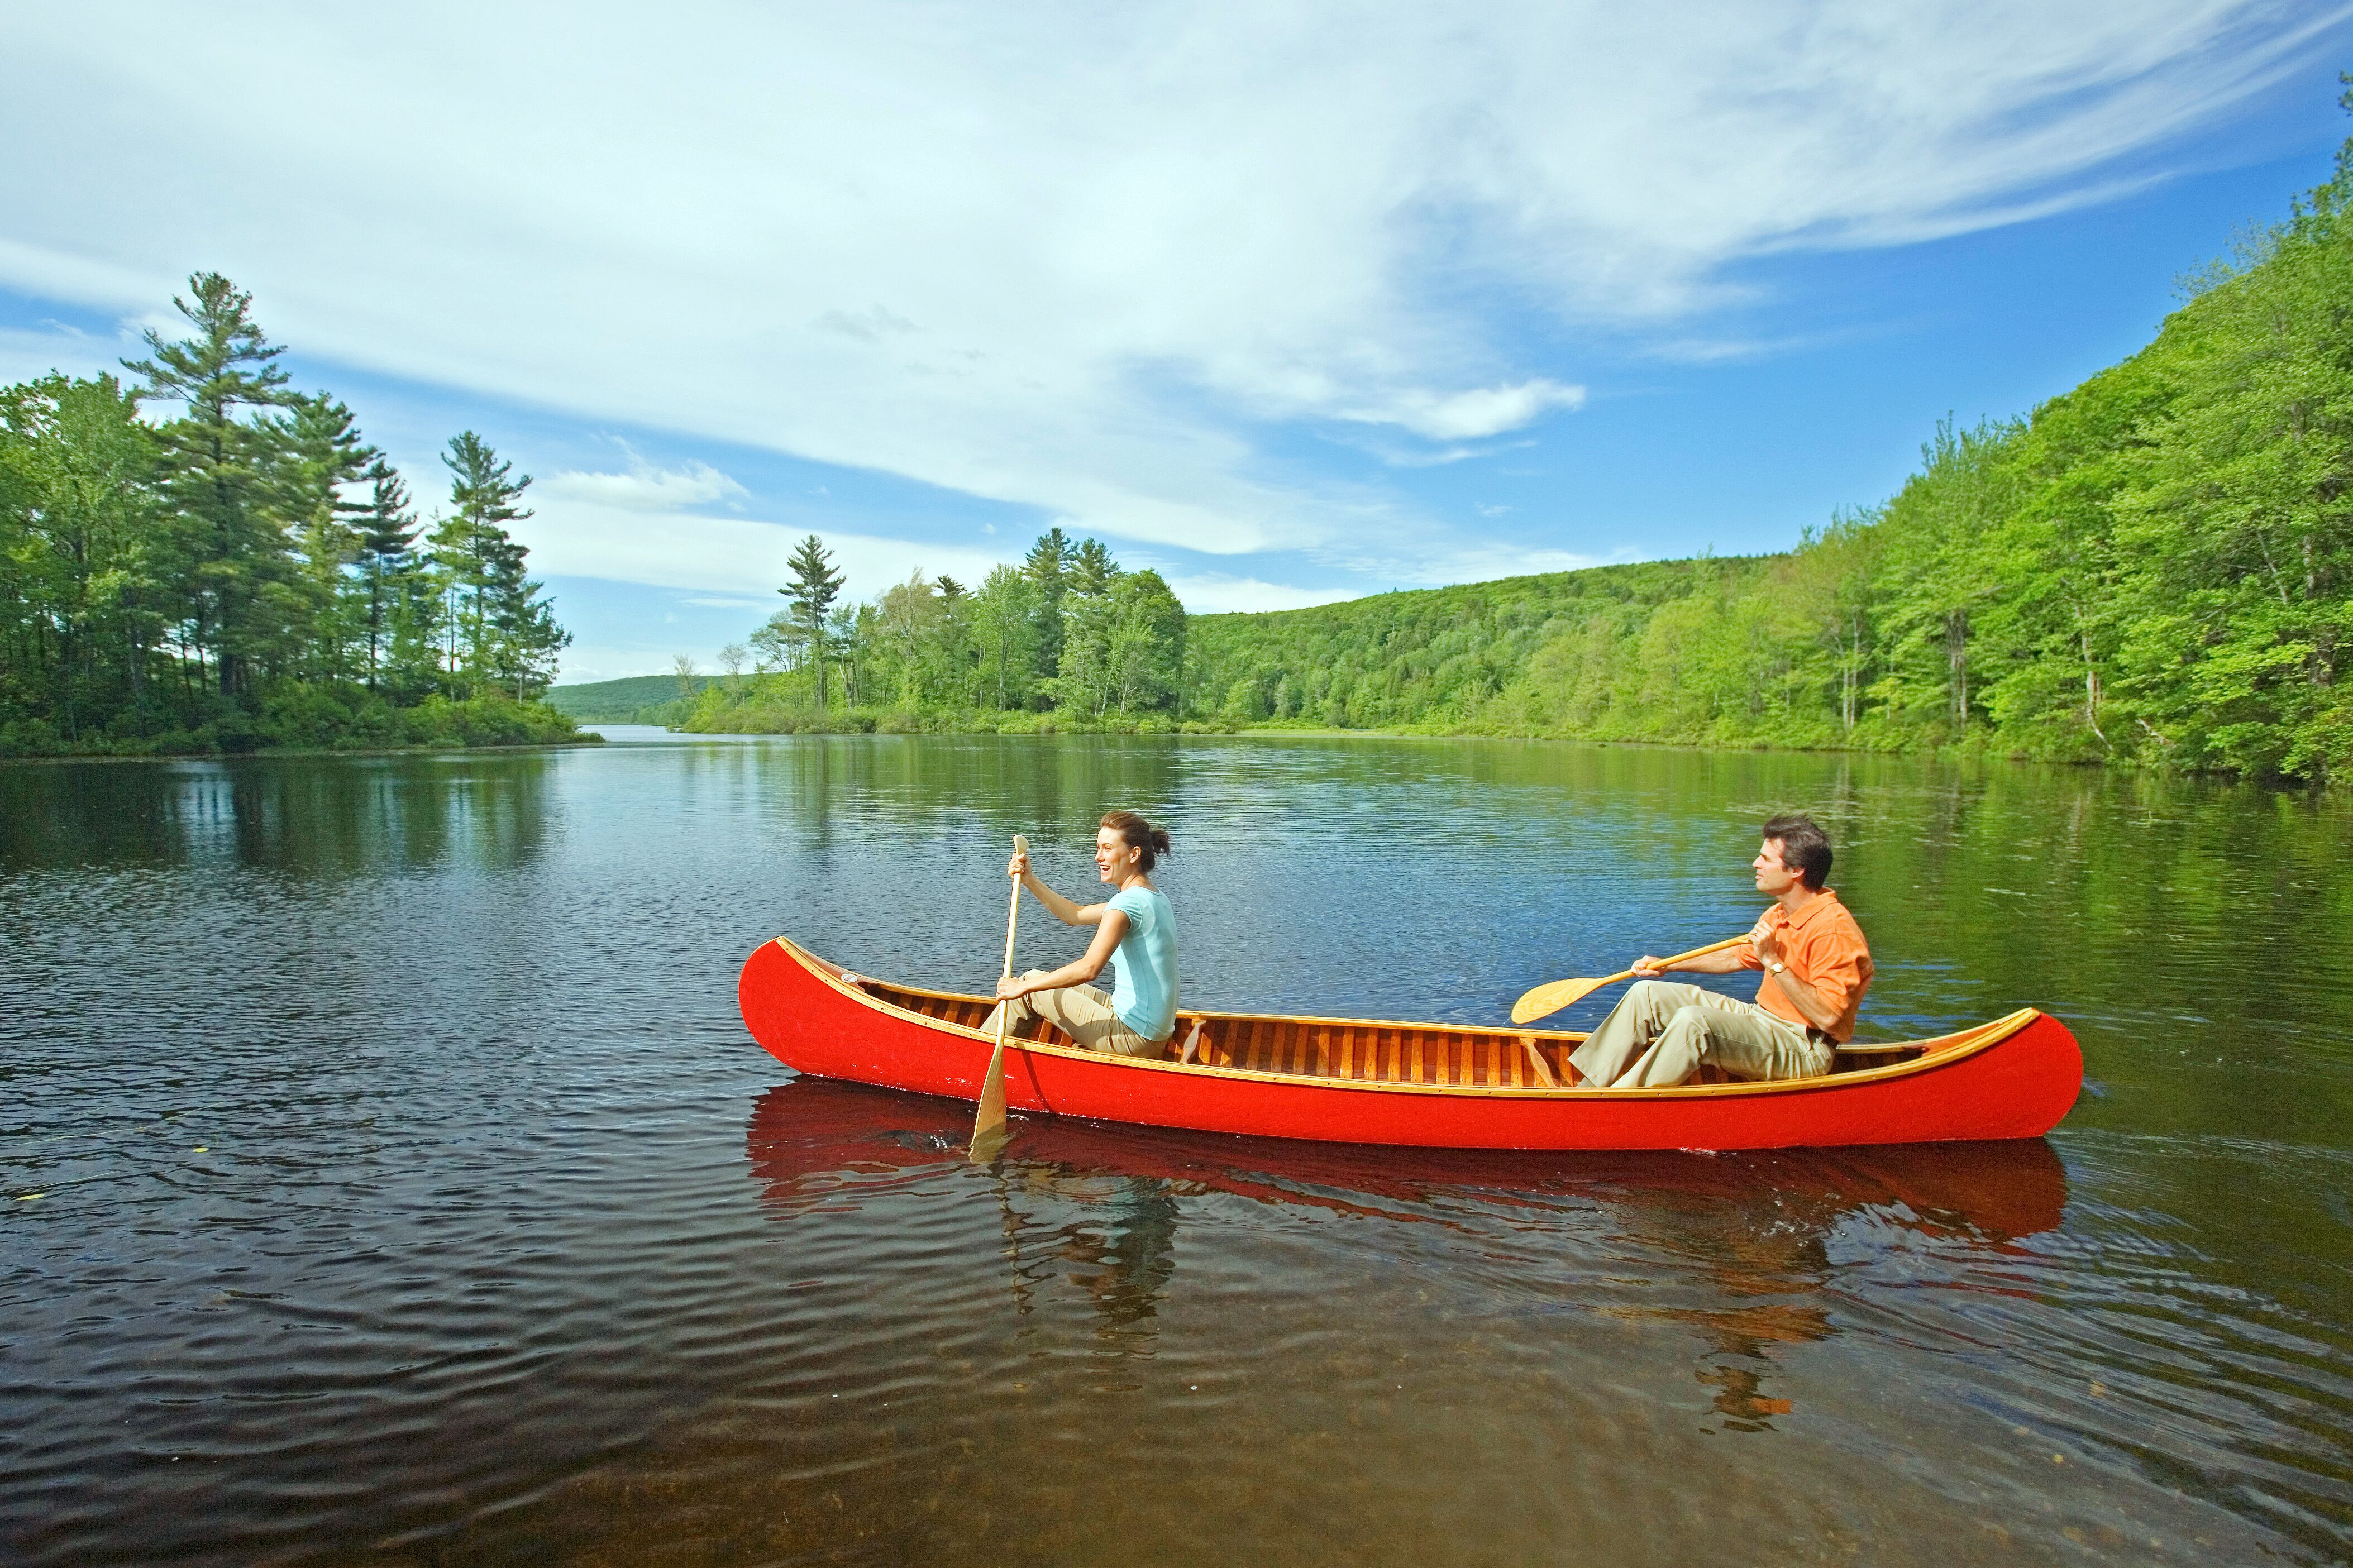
(409, 1191)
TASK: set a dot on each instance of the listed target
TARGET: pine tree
(1048, 569)
(324, 454)
(216, 463)
(480, 564)
(522, 636)
(1084, 681)
(815, 586)
(387, 534)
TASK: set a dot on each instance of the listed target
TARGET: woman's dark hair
(1139, 835)
(1805, 847)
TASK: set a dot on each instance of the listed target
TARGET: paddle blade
(988, 1121)
(1551, 998)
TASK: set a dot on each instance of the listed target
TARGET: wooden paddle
(1559, 994)
(988, 1121)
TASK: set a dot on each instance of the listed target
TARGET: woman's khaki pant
(1662, 1032)
(1080, 1012)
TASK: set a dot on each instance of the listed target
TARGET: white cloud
(1471, 416)
(1050, 254)
(573, 535)
(1211, 593)
(645, 487)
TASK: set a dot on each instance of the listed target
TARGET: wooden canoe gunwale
(1936, 1054)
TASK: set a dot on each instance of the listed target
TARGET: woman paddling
(1135, 933)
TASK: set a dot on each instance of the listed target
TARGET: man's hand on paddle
(1647, 968)
(1019, 866)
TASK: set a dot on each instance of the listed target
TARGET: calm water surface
(410, 1192)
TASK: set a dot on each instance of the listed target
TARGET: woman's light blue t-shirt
(1145, 964)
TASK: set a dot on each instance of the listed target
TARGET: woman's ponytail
(1139, 834)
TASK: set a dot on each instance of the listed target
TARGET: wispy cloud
(877, 236)
(644, 488)
(717, 556)
(1209, 593)
(1471, 415)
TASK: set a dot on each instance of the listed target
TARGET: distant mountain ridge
(620, 701)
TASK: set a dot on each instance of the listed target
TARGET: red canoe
(1357, 1080)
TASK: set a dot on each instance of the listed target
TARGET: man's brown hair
(1805, 847)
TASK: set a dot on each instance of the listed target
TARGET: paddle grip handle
(1013, 915)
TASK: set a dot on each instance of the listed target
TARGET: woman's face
(1114, 859)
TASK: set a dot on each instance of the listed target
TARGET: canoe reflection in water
(1742, 1248)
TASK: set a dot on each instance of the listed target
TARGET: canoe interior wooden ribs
(1362, 1081)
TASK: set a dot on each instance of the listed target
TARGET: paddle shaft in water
(1551, 996)
(989, 1119)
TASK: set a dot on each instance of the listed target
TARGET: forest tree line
(2155, 567)
(249, 571)
(1069, 638)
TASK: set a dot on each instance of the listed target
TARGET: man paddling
(1817, 966)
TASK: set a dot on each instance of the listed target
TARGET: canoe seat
(1855, 1056)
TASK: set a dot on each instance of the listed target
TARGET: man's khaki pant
(1080, 1012)
(1662, 1033)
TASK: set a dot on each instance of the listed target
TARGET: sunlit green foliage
(243, 572)
(2155, 567)
(1068, 639)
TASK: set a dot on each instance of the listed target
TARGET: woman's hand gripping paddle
(988, 1121)
(1551, 998)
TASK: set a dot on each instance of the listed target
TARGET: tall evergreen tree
(1084, 681)
(216, 462)
(1048, 569)
(323, 456)
(814, 588)
(387, 534)
(476, 554)
(523, 638)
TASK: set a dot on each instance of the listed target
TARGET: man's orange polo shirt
(1824, 948)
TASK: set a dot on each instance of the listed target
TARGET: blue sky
(1292, 304)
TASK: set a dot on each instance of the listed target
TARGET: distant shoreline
(273, 753)
(1273, 732)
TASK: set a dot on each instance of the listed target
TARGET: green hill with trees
(251, 572)
(2154, 568)
(631, 699)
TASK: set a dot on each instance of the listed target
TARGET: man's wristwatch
(1776, 967)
